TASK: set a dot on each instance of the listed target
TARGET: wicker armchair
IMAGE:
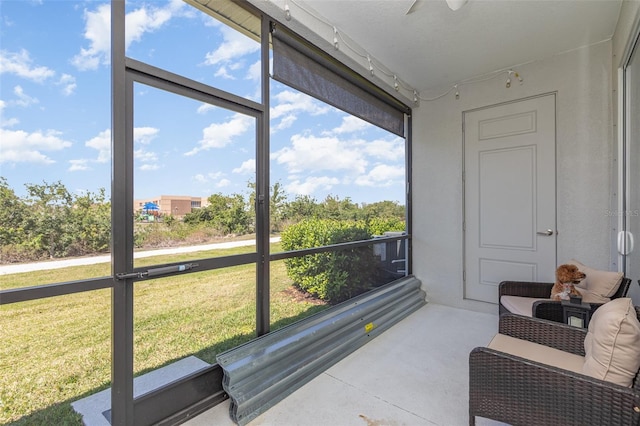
(547, 309)
(517, 391)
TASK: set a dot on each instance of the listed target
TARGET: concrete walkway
(57, 264)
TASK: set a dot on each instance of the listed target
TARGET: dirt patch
(300, 296)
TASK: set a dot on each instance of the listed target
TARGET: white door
(510, 195)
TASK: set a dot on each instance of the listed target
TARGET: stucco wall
(586, 172)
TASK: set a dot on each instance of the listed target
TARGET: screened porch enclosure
(315, 57)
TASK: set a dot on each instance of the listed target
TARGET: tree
(335, 208)
(12, 215)
(48, 225)
(90, 223)
(227, 213)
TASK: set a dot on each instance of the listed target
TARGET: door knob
(548, 232)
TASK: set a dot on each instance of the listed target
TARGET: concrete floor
(415, 373)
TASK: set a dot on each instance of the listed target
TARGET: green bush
(378, 226)
(333, 276)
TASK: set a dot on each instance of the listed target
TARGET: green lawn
(57, 350)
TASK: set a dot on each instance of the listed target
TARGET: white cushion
(539, 353)
(602, 283)
(519, 305)
(612, 345)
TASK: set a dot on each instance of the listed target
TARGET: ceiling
(434, 47)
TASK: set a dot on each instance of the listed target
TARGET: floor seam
(364, 391)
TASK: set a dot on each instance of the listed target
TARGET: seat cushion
(519, 305)
(612, 344)
(602, 283)
(539, 353)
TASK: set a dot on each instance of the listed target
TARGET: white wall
(586, 172)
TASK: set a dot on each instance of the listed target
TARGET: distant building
(176, 205)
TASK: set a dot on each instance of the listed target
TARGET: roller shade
(306, 68)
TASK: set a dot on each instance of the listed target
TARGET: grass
(57, 350)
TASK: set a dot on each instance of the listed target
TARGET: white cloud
(102, 143)
(392, 150)
(141, 136)
(79, 165)
(20, 64)
(138, 22)
(6, 122)
(204, 108)
(148, 160)
(311, 154)
(149, 167)
(382, 175)
(144, 135)
(247, 167)
(289, 104)
(219, 135)
(23, 100)
(234, 46)
(223, 183)
(255, 71)
(350, 124)
(285, 123)
(19, 146)
(311, 185)
(222, 72)
(213, 176)
(98, 32)
(68, 83)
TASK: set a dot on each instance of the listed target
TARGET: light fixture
(370, 65)
(509, 79)
(456, 4)
(335, 38)
(287, 12)
(415, 96)
(395, 83)
(457, 92)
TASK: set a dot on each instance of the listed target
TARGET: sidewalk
(57, 264)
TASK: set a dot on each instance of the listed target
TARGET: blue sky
(55, 110)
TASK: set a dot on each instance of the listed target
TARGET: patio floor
(415, 373)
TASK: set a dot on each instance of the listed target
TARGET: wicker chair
(547, 309)
(517, 391)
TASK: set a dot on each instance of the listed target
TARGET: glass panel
(55, 152)
(179, 38)
(335, 179)
(288, 302)
(199, 315)
(330, 165)
(194, 165)
(53, 351)
(632, 208)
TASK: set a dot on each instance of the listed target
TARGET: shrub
(332, 276)
(378, 226)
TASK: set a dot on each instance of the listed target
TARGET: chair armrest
(623, 289)
(511, 389)
(553, 334)
(551, 310)
(525, 289)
